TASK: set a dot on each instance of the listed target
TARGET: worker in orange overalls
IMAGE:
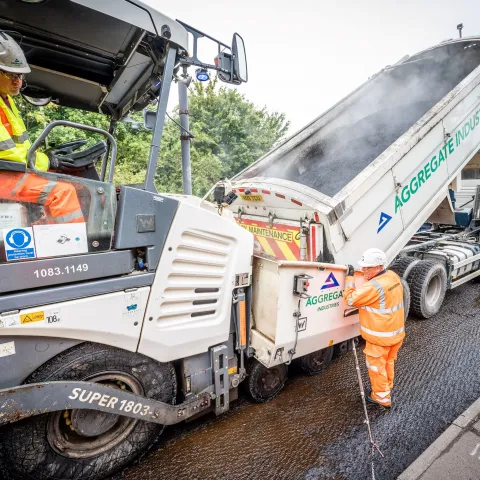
(382, 322)
(58, 198)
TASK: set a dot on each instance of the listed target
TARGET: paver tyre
(428, 284)
(45, 447)
(406, 297)
(317, 362)
(403, 265)
(264, 384)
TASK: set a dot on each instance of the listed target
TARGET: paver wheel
(406, 297)
(51, 446)
(403, 265)
(317, 362)
(264, 384)
(428, 284)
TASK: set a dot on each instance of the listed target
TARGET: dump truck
(158, 307)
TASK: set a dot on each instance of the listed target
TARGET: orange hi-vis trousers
(380, 363)
(59, 198)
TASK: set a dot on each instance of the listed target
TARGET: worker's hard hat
(373, 257)
(12, 58)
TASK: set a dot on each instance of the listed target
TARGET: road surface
(314, 429)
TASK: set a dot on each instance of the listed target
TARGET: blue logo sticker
(330, 282)
(384, 219)
(131, 308)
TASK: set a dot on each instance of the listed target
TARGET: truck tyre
(406, 297)
(48, 446)
(428, 284)
(403, 265)
(317, 362)
(264, 384)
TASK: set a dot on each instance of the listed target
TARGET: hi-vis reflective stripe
(380, 292)
(373, 368)
(384, 310)
(383, 400)
(382, 334)
(350, 302)
(7, 144)
(21, 138)
(383, 394)
(349, 284)
(67, 218)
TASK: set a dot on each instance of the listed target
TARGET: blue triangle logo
(384, 219)
(330, 282)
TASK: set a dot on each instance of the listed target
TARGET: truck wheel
(403, 265)
(428, 284)
(317, 362)
(51, 446)
(264, 384)
(406, 297)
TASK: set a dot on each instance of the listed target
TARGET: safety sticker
(53, 316)
(7, 349)
(60, 239)
(19, 243)
(9, 320)
(32, 317)
(252, 198)
(133, 305)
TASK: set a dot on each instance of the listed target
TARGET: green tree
(230, 133)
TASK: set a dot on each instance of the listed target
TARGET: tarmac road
(314, 429)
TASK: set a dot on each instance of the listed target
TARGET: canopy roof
(95, 55)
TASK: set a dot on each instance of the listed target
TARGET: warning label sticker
(32, 317)
(19, 243)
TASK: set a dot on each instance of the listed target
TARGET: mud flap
(38, 398)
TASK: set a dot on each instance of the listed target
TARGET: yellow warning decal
(232, 370)
(269, 233)
(252, 198)
(32, 317)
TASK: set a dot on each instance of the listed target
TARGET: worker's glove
(350, 270)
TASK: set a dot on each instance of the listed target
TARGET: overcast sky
(305, 55)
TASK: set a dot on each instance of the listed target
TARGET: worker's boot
(371, 400)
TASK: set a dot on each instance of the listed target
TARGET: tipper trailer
(158, 306)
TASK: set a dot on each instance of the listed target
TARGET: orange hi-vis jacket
(380, 304)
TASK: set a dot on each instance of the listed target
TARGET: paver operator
(59, 198)
(382, 322)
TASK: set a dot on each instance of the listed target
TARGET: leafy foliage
(230, 133)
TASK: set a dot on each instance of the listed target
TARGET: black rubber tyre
(340, 349)
(403, 265)
(406, 297)
(317, 362)
(428, 284)
(264, 384)
(28, 453)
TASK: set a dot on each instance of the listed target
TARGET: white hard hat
(373, 257)
(12, 58)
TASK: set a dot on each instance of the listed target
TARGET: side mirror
(239, 58)
(149, 119)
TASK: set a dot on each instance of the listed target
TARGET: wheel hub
(91, 423)
(81, 433)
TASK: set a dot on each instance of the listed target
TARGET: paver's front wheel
(87, 444)
(263, 383)
(317, 362)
